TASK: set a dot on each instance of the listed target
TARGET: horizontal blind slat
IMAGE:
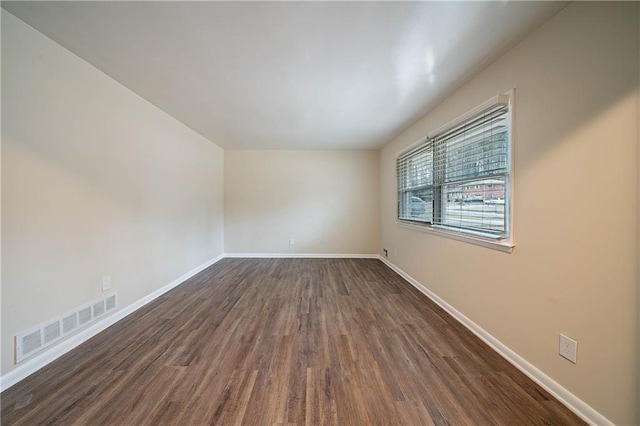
(468, 156)
(465, 171)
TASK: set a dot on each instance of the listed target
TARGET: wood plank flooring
(284, 342)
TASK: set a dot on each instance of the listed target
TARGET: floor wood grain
(284, 342)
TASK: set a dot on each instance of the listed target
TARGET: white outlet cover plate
(568, 348)
(106, 283)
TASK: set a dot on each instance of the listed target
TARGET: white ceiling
(289, 75)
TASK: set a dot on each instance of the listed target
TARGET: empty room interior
(342, 213)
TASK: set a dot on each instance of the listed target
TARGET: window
(458, 179)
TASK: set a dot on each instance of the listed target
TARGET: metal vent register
(32, 341)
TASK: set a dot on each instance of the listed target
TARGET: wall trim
(303, 255)
(572, 402)
(44, 358)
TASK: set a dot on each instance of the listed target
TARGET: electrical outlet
(292, 242)
(386, 252)
(106, 283)
(568, 348)
(395, 252)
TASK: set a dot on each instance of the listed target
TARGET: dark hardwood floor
(284, 341)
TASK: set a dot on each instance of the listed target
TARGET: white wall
(575, 265)
(327, 201)
(95, 181)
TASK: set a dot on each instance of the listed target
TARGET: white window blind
(415, 184)
(459, 178)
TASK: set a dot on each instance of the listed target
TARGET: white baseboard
(575, 404)
(572, 402)
(303, 255)
(42, 359)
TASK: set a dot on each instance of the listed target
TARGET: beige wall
(575, 265)
(638, 241)
(95, 181)
(328, 201)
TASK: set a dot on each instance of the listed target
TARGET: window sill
(503, 246)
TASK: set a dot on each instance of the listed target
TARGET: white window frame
(505, 244)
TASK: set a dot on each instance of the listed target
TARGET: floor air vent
(32, 341)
